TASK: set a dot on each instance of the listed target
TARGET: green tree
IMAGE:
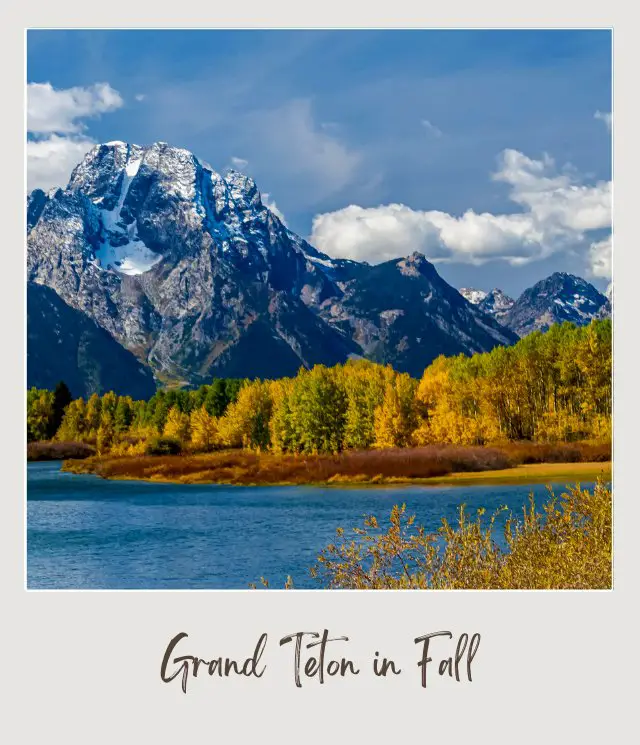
(123, 414)
(39, 414)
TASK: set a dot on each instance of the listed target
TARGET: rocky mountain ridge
(190, 272)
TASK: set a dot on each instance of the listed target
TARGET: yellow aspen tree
(204, 429)
(177, 425)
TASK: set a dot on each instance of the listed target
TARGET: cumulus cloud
(51, 160)
(604, 116)
(56, 130)
(61, 111)
(557, 211)
(600, 258)
(140, 96)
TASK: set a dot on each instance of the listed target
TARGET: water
(86, 532)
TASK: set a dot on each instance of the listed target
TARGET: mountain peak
(555, 299)
(188, 270)
(473, 295)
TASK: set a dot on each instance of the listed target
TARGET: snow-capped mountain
(475, 297)
(494, 303)
(189, 271)
(558, 298)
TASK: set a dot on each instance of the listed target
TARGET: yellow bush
(566, 546)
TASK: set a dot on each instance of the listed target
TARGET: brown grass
(522, 453)
(368, 466)
(58, 450)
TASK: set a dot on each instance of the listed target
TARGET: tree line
(553, 386)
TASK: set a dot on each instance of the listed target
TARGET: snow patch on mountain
(122, 249)
(472, 295)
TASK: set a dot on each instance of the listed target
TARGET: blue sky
(343, 124)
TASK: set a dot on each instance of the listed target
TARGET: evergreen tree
(123, 414)
(61, 399)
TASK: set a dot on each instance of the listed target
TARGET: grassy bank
(531, 473)
(509, 463)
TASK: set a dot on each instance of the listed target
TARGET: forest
(552, 387)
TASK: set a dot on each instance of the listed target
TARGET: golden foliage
(552, 387)
(177, 425)
(204, 430)
(566, 546)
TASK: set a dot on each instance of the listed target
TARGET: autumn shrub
(163, 446)
(58, 450)
(566, 545)
(559, 452)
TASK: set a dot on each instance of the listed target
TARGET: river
(84, 532)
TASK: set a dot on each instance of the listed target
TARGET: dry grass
(369, 466)
(559, 452)
(529, 473)
(58, 450)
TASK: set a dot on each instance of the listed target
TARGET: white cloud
(57, 141)
(557, 211)
(239, 163)
(271, 205)
(140, 96)
(51, 110)
(51, 160)
(555, 201)
(606, 117)
(600, 258)
(431, 128)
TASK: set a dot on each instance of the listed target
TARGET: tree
(123, 414)
(246, 421)
(39, 414)
(395, 419)
(217, 400)
(177, 425)
(73, 427)
(204, 429)
(92, 413)
(364, 383)
(106, 432)
(318, 407)
(61, 399)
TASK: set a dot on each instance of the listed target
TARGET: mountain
(189, 271)
(403, 312)
(558, 298)
(494, 303)
(65, 344)
(475, 297)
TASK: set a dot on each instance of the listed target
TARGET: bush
(58, 450)
(163, 446)
(566, 546)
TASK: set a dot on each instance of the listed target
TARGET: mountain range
(151, 268)
(558, 298)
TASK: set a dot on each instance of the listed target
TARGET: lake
(84, 532)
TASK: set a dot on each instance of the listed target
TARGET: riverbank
(52, 450)
(511, 463)
(531, 473)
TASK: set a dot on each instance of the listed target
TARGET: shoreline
(531, 473)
